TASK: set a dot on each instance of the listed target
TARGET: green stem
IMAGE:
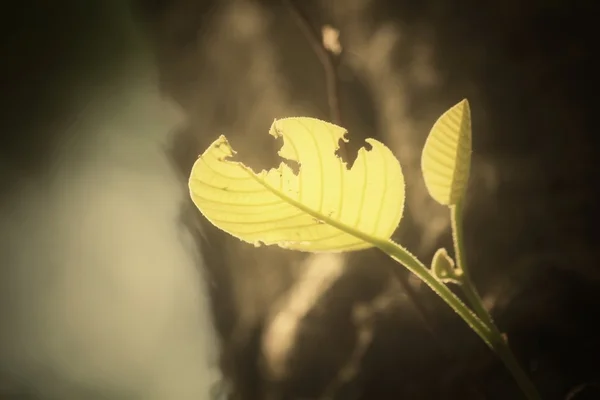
(404, 257)
(489, 334)
(500, 344)
(467, 285)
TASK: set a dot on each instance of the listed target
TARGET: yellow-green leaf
(443, 268)
(446, 158)
(324, 207)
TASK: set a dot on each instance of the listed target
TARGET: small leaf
(325, 207)
(446, 158)
(442, 267)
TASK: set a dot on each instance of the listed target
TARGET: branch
(325, 57)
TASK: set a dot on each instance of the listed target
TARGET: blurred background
(112, 286)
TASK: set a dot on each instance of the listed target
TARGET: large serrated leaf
(325, 207)
(446, 158)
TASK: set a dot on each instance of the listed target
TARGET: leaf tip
(223, 146)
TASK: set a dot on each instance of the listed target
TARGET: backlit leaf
(446, 158)
(325, 207)
(443, 268)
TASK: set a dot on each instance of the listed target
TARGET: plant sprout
(327, 207)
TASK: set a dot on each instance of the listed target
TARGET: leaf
(443, 268)
(446, 158)
(326, 207)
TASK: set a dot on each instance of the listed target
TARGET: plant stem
(456, 220)
(404, 257)
(489, 334)
(500, 344)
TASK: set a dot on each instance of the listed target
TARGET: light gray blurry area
(102, 297)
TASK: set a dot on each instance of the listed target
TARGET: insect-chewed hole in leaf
(348, 151)
(258, 156)
(293, 164)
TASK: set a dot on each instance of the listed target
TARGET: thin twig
(325, 57)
